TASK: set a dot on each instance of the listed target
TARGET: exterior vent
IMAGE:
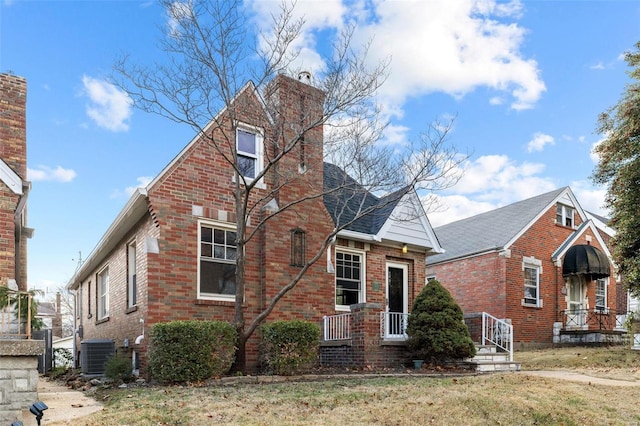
(94, 355)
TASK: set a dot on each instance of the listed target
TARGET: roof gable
(573, 239)
(498, 229)
(408, 223)
(397, 217)
(249, 88)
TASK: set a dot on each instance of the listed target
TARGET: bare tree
(211, 55)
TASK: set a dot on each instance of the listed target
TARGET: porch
(591, 326)
(368, 337)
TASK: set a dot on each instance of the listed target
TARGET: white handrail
(498, 332)
(393, 325)
(337, 327)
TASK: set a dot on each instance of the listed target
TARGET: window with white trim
(249, 145)
(132, 285)
(103, 294)
(601, 294)
(565, 215)
(349, 278)
(532, 268)
(217, 254)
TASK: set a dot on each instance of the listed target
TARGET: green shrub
(118, 368)
(436, 329)
(289, 346)
(191, 351)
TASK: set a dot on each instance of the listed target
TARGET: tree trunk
(240, 364)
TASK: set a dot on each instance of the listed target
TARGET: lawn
(507, 399)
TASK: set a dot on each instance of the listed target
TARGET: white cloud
(593, 154)
(435, 46)
(143, 181)
(110, 108)
(539, 141)
(177, 12)
(44, 173)
(598, 66)
(489, 182)
(590, 197)
(453, 47)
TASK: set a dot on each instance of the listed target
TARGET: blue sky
(525, 81)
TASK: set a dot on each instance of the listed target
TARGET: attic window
(565, 215)
(298, 247)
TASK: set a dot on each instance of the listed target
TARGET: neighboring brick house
(169, 254)
(14, 187)
(526, 262)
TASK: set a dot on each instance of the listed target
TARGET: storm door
(576, 312)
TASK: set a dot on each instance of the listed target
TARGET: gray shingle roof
(490, 230)
(345, 199)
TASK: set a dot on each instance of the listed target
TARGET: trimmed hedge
(191, 351)
(289, 347)
(436, 328)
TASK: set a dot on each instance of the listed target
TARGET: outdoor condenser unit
(94, 355)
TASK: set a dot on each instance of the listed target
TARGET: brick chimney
(13, 123)
(296, 104)
(13, 184)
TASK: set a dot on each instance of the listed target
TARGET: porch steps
(488, 359)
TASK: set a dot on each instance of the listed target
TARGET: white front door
(397, 299)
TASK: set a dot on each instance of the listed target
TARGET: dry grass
(507, 399)
(613, 362)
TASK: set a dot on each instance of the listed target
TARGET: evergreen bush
(289, 347)
(191, 351)
(119, 369)
(436, 329)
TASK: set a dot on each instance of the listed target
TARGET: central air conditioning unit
(94, 355)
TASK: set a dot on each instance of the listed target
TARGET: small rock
(122, 386)
(95, 382)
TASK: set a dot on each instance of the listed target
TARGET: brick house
(541, 263)
(169, 254)
(14, 187)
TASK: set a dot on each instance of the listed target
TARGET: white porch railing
(498, 332)
(393, 325)
(337, 327)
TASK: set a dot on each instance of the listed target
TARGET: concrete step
(488, 359)
(491, 356)
(486, 348)
(486, 367)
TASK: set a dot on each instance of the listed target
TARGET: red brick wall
(201, 177)
(122, 322)
(13, 151)
(494, 283)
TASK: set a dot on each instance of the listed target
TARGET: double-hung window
(565, 215)
(532, 268)
(217, 262)
(349, 278)
(103, 294)
(249, 146)
(132, 285)
(601, 294)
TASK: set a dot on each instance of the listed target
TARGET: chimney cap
(305, 77)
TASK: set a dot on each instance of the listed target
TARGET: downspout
(19, 232)
(555, 266)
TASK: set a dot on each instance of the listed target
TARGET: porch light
(405, 249)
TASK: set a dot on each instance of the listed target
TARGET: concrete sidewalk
(65, 405)
(572, 376)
